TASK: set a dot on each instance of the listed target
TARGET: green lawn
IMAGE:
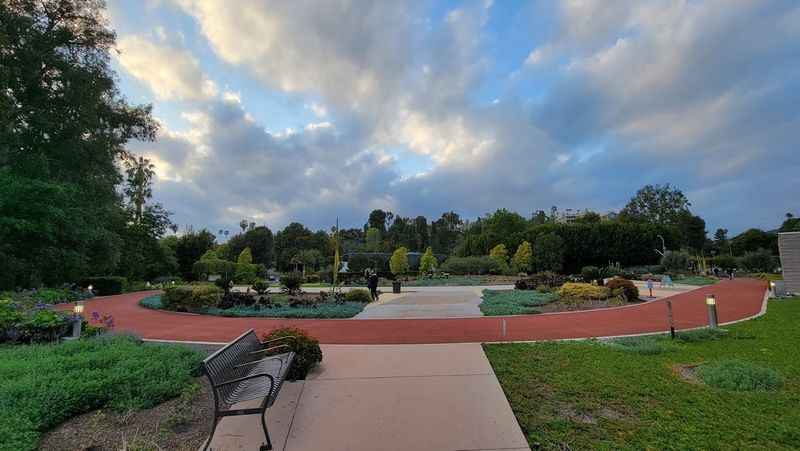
(281, 309)
(626, 395)
(696, 280)
(514, 302)
(42, 386)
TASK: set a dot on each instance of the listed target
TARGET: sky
(307, 111)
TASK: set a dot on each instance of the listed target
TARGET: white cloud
(171, 73)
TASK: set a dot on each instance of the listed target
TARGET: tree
(63, 130)
(549, 253)
(754, 239)
(791, 224)
(427, 264)
(245, 257)
(522, 258)
(373, 239)
(589, 217)
(446, 233)
(377, 220)
(138, 187)
(260, 241)
(656, 205)
(422, 235)
(398, 263)
(500, 254)
(295, 238)
(692, 230)
(189, 248)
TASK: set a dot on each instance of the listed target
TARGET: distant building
(789, 246)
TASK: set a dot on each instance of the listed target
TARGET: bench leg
(268, 445)
(211, 436)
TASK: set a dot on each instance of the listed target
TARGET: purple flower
(95, 316)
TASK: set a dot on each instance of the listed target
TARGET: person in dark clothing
(372, 284)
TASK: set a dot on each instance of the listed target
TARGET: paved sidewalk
(413, 302)
(388, 398)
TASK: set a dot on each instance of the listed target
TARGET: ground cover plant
(44, 385)
(695, 280)
(657, 393)
(514, 302)
(280, 306)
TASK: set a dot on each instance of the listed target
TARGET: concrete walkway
(387, 398)
(427, 302)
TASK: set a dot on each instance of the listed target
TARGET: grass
(695, 280)
(41, 386)
(629, 393)
(468, 281)
(514, 302)
(280, 310)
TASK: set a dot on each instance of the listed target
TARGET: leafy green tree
(692, 230)
(549, 253)
(377, 219)
(138, 184)
(373, 239)
(245, 257)
(752, 240)
(427, 263)
(656, 205)
(791, 224)
(523, 257)
(295, 238)
(260, 241)
(500, 254)
(189, 248)
(589, 217)
(446, 232)
(63, 128)
(398, 263)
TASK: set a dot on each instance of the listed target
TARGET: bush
(471, 265)
(105, 286)
(739, 375)
(45, 385)
(629, 290)
(306, 348)
(260, 286)
(541, 279)
(675, 261)
(292, 281)
(191, 297)
(591, 274)
(758, 261)
(358, 295)
(246, 273)
(572, 290)
(725, 261)
(647, 345)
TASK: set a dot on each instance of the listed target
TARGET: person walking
(372, 284)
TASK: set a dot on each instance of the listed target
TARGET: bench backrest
(221, 365)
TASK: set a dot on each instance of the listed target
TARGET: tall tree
(189, 248)
(138, 183)
(63, 128)
(377, 219)
(260, 241)
(656, 204)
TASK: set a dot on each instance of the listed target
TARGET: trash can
(396, 286)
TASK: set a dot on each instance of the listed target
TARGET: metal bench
(247, 369)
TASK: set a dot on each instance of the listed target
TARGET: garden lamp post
(772, 287)
(77, 322)
(711, 302)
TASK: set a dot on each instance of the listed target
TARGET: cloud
(171, 73)
(702, 94)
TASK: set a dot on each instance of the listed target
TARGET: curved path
(736, 300)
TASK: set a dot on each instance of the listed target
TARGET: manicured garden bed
(453, 281)
(696, 280)
(279, 309)
(655, 393)
(42, 386)
(514, 302)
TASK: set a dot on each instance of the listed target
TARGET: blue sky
(308, 110)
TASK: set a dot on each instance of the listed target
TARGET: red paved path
(736, 300)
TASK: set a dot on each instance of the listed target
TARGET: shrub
(191, 297)
(675, 261)
(545, 278)
(629, 290)
(758, 261)
(647, 345)
(548, 252)
(591, 274)
(739, 375)
(427, 263)
(471, 265)
(246, 273)
(358, 295)
(398, 263)
(292, 281)
(725, 261)
(572, 290)
(306, 348)
(260, 286)
(105, 286)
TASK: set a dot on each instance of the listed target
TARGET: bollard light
(78, 309)
(90, 287)
(711, 302)
(77, 321)
(772, 286)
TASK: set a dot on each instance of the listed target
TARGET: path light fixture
(77, 321)
(772, 287)
(711, 302)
